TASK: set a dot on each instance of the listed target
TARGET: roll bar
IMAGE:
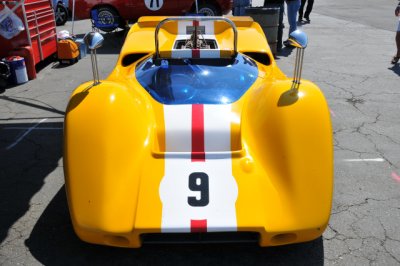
(191, 18)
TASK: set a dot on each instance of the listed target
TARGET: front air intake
(196, 238)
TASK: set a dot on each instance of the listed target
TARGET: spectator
(239, 7)
(396, 58)
(292, 9)
(310, 4)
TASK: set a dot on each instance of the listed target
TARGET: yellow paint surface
(282, 156)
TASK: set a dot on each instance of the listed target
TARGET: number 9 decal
(199, 182)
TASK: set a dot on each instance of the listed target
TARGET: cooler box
(67, 51)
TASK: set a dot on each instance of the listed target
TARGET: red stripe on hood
(198, 226)
(198, 153)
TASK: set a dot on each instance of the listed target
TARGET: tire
(209, 10)
(108, 15)
(61, 15)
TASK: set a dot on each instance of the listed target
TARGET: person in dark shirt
(310, 4)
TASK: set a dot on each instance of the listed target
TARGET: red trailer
(39, 39)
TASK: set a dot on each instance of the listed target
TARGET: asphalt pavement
(348, 56)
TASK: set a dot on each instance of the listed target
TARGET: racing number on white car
(198, 182)
(154, 5)
(157, 3)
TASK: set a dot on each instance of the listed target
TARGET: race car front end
(173, 148)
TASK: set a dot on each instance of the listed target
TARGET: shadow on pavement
(29, 102)
(38, 67)
(53, 242)
(395, 69)
(286, 51)
(28, 155)
(113, 42)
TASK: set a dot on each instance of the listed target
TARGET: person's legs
(239, 7)
(301, 9)
(396, 58)
(236, 8)
(292, 9)
(243, 5)
(309, 9)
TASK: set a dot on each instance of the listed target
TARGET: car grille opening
(118, 241)
(196, 238)
(282, 239)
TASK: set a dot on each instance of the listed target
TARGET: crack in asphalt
(350, 212)
(334, 234)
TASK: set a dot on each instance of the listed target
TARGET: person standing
(239, 7)
(292, 9)
(396, 58)
(310, 4)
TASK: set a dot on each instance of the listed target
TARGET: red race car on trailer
(117, 11)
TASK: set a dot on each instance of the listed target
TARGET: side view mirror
(94, 40)
(299, 40)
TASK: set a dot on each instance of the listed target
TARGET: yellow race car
(198, 136)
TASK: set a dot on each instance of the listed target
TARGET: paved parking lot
(346, 57)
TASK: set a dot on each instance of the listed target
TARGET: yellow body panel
(282, 155)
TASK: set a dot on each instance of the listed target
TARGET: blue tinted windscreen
(197, 81)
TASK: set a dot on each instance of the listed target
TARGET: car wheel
(61, 15)
(108, 16)
(209, 10)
